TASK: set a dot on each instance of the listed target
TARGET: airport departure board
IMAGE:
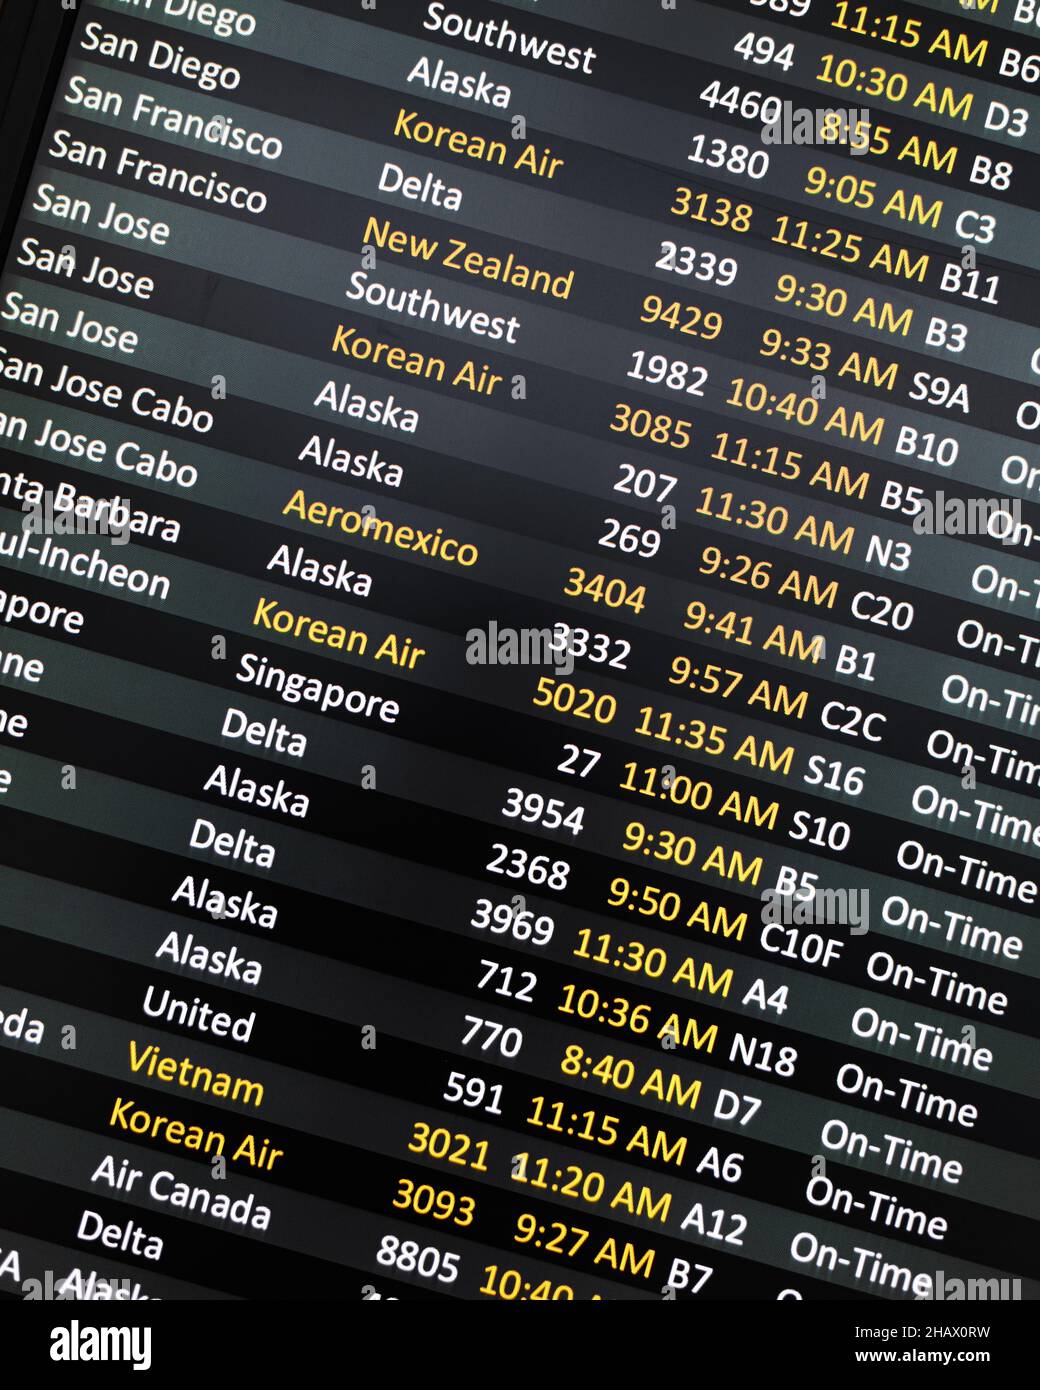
(519, 654)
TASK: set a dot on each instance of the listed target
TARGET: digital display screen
(519, 650)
